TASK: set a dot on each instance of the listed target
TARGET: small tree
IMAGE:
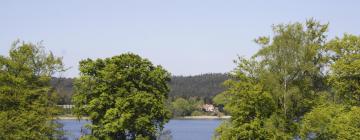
(27, 105)
(124, 96)
(181, 107)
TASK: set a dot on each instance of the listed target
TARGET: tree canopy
(286, 85)
(27, 100)
(124, 96)
(344, 57)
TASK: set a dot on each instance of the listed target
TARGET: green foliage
(331, 121)
(345, 74)
(220, 99)
(338, 119)
(124, 96)
(204, 86)
(306, 87)
(181, 107)
(291, 66)
(27, 101)
(248, 103)
(252, 130)
(271, 92)
(197, 113)
(186, 107)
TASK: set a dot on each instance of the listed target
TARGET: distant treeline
(204, 86)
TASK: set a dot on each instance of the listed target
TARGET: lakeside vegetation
(203, 86)
(299, 85)
(187, 96)
(179, 108)
(27, 100)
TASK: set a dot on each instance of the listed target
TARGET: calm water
(180, 129)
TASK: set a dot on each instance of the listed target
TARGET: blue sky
(186, 37)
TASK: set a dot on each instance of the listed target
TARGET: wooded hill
(203, 86)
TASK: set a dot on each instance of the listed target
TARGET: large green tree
(124, 96)
(27, 101)
(287, 74)
(292, 64)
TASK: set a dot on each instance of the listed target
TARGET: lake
(180, 129)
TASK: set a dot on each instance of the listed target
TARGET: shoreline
(71, 118)
(176, 118)
(203, 117)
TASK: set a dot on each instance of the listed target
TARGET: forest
(204, 86)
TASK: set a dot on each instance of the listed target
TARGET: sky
(186, 37)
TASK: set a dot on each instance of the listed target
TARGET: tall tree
(124, 96)
(289, 69)
(27, 101)
(292, 71)
(247, 102)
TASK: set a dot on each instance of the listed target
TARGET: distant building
(208, 107)
(66, 106)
